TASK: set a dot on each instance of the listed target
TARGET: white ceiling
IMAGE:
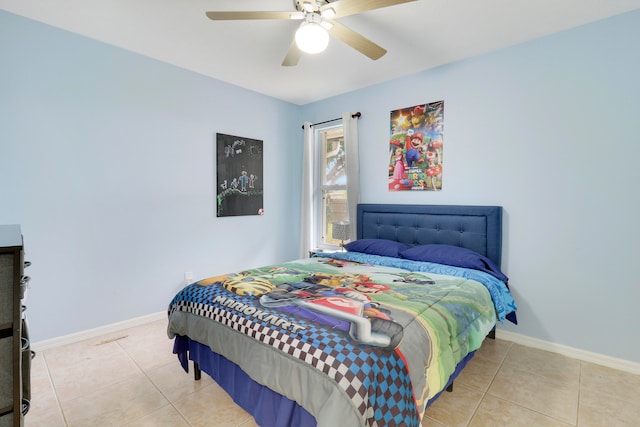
(418, 36)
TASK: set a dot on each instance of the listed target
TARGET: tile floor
(131, 378)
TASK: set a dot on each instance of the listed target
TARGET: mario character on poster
(415, 147)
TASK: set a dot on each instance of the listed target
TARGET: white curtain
(350, 125)
(306, 219)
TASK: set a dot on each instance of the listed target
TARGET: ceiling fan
(319, 22)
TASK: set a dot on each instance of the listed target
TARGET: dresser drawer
(6, 373)
(6, 290)
(6, 420)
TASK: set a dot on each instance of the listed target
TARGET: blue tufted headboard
(478, 228)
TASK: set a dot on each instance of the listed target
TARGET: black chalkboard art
(239, 174)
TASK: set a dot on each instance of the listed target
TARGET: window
(330, 154)
(330, 203)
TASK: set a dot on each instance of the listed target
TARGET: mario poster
(415, 148)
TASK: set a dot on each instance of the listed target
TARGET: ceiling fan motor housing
(313, 4)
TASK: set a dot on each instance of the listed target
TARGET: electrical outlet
(188, 278)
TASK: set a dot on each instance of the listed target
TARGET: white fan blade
(293, 56)
(356, 41)
(351, 7)
(235, 16)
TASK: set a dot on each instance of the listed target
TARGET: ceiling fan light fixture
(328, 12)
(311, 37)
(326, 25)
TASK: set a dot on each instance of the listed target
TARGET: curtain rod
(354, 115)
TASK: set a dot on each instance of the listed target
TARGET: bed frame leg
(197, 373)
(492, 333)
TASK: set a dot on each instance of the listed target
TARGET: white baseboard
(96, 332)
(586, 356)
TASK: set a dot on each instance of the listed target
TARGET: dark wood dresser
(15, 350)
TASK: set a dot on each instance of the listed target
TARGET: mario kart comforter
(370, 340)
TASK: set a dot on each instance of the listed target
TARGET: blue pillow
(377, 247)
(454, 255)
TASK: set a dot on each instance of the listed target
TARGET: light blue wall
(550, 130)
(108, 162)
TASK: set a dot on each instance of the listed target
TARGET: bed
(366, 337)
